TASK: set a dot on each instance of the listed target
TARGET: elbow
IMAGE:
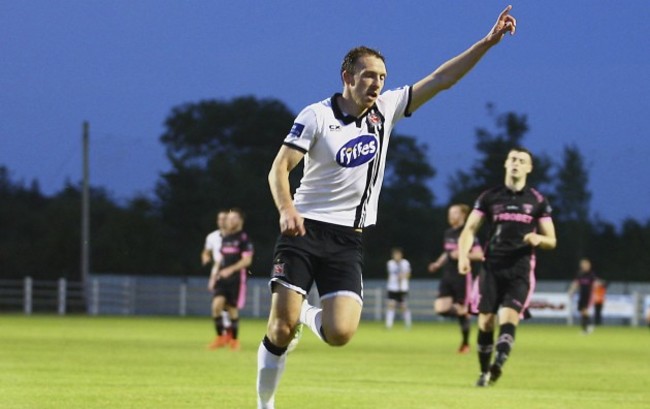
(445, 81)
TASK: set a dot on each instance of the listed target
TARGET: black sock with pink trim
(485, 347)
(504, 343)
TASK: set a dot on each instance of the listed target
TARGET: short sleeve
(302, 134)
(545, 209)
(481, 204)
(398, 100)
(246, 245)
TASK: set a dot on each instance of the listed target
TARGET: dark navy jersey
(234, 247)
(511, 215)
(586, 283)
(450, 245)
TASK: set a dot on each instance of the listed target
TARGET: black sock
(218, 325)
(234, 327)
(504, 343)
(485, 346)
(585, 322)
(463, 320)
(272, 348)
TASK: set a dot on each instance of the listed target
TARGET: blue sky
(578, 69)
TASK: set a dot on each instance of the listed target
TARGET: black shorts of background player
(520, 221)
(454, 288)
(344, 142)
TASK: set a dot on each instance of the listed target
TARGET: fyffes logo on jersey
(357, 151)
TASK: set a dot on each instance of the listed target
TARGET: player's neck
(516, 185)
(349, 107)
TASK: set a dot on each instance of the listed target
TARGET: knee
(338, 336)
(486, 323)
(280, 332)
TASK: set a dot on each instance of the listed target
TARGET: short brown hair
(353, 56)
(464, 209)
(522, 150)
(239, 211)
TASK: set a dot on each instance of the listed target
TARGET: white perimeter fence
(140, 295)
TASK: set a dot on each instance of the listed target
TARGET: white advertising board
(549, 305)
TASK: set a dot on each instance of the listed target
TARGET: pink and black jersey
(585, 282)
(234, 247)
(511, 215)
(450, 245)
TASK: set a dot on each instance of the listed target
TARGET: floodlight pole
(85, 214)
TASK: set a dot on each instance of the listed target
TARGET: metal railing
(141, 295)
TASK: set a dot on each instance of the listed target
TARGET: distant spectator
(600, 290)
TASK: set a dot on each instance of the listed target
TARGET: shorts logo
(278, 270)
(296, 129)
(357, 151)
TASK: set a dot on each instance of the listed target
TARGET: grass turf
(135, 362)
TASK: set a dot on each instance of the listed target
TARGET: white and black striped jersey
(345, 158)
(213, 244)
(395, 269)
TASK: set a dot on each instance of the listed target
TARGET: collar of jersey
(345, 118)
(517, 192)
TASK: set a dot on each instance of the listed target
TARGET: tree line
(220, 154)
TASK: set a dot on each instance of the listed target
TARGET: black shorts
(584, 301)
(232, 289)
(456, 286)
(398, 296)
(506, 286)
(328, 254)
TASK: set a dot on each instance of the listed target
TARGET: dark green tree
(221, 153)
(493, 147)
(571, 209)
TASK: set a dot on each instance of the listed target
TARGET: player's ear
(347, 77)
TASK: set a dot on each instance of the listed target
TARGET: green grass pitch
(135, 362)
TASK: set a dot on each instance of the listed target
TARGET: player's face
(221, 220)
(585, 266)
(366, 83)
(233, 222)
(397, 255)
(518, 165)
(455, 216)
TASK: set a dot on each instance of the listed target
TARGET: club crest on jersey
(278, 269)
(358, 151)
(527, 208)
(374, 119)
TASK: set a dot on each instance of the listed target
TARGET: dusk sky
(580, 71)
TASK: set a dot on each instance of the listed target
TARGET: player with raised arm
(520, 221)
(343, 140)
